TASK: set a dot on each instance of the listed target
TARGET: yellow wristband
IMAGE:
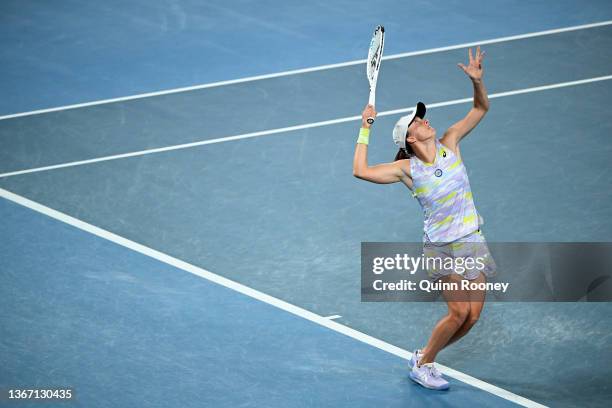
(364, 136)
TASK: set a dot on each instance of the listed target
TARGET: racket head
(375, 54)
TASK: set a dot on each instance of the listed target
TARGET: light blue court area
(65, 52)
(206, 114)
(124, 330)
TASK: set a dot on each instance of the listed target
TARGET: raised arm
(382, 173)
(456, 132)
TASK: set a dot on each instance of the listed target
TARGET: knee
(460, 314)
(472, 319)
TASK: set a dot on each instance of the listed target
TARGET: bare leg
(477, 298)
(458, 313)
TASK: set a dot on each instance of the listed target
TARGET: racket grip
(372, 102)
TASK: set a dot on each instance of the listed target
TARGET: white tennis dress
(452, 223)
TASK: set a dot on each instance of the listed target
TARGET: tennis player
(433, 170)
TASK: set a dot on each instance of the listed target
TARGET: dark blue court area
(201, 248)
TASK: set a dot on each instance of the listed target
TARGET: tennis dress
(452, 223)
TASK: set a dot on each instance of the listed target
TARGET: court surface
(188, 248)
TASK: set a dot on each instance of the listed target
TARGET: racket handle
(372, 101)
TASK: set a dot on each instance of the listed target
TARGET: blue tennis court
(181, 226)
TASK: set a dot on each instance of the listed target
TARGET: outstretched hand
(474, 68)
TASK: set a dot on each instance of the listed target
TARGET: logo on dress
(438, 173)
(443, 153)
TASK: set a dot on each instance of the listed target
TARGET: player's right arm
(381, 173)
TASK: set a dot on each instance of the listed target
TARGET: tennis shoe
(416, 355)
(429, 377)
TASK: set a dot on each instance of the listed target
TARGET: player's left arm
(459, 130)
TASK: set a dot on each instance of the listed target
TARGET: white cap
(401, 127)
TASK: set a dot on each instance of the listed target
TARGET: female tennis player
(433, 170)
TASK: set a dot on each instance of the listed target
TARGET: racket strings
(375, 52)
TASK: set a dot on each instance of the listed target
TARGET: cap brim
(419, 112)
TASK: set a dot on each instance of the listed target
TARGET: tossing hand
(474, 68)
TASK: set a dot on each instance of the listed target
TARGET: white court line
(294, 128)
(306, 70)
(255, 294)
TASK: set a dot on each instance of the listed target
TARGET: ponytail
(403, 154)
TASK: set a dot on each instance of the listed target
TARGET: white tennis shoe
(429, 377)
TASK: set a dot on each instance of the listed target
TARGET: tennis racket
(373, 64)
